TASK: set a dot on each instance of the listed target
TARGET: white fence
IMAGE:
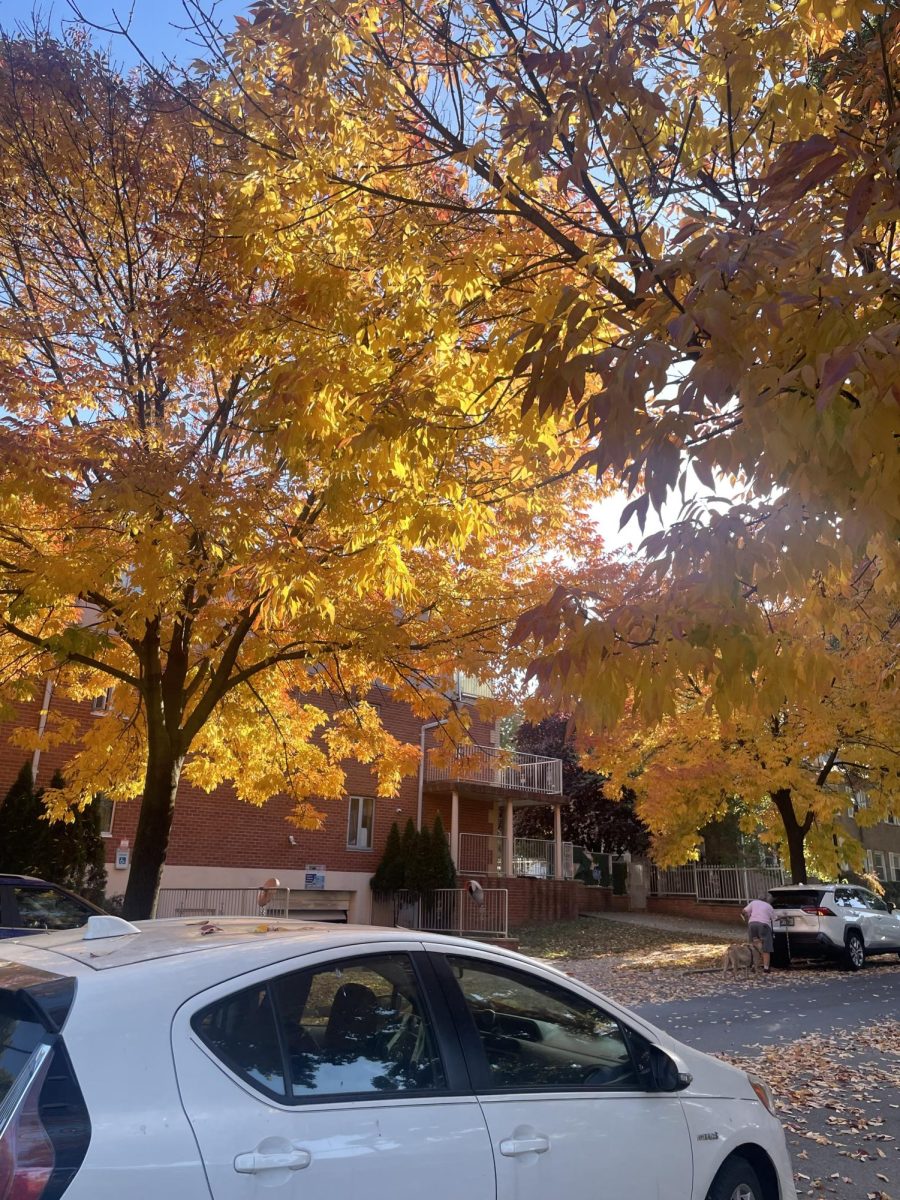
(725, 885)
(482, 854)
(496, 767)
(446, 910)
(222, 902)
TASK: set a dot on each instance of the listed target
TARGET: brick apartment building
(219, 841)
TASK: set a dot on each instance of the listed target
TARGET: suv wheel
(736, 1181)
(854, 952)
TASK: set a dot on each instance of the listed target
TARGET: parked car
(29, 905)
(233, 1059)
(833, 920)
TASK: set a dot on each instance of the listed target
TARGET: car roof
(4, 878)
(804, 887)
(164, 939)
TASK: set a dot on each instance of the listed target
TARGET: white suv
(835, 920)
(231, 1061)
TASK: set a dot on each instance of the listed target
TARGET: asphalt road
(737, 1023)
(838, 1149)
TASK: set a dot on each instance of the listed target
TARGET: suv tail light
(818, 911)
(27, 1157)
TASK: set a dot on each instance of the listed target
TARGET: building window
(895, 867)
(100, 704)
(892, 820)
(876, 865)
(360, 823)
(107, 809)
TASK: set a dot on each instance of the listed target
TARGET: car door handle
(537, 1144)
(254, 1162)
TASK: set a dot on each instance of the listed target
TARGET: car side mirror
(890, 905)
(664, 1072)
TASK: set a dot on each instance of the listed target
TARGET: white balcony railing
(482, 854)
(491, 765)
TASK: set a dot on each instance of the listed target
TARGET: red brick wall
(542, 901)
(475, 816)
(676, 906)
(219, 830)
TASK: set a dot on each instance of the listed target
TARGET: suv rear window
(808, 899)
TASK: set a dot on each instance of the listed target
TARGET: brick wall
(541, 901)
(675, 906)
(220, 831)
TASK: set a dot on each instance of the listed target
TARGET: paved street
(840, 1089)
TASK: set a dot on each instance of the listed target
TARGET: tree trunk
(152, 837)
(795, 832)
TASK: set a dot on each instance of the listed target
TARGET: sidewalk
(711, 929)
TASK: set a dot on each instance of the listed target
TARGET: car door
(558, 1079)
(338, 1078)
(874, 935)
(883, 921)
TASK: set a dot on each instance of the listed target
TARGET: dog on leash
(741, 956)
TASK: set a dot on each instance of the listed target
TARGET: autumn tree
(682, 218)
(593, 817)
(255, 455)
(795, 769)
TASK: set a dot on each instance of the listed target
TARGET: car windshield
(811, 898)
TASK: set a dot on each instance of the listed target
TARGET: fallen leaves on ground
(639, 965)
(593, 937)
(839, 1090)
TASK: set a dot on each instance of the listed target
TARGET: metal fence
(222, 902)
(446, 910)
(482, 854)
(497, 767)
(723, 885)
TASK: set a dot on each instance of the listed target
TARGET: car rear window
(808, 899)
(20, 1034)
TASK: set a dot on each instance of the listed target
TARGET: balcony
(494, 774)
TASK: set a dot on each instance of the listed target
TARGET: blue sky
(153, 22)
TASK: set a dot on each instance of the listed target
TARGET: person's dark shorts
(759, 929)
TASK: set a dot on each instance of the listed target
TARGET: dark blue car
(29, 905)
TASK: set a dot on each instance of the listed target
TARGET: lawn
(638, 947)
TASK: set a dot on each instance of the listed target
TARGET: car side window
(842, 897)
(872, 902)
(537, 1035)
(46, 908)
(240, 1030)
(357, 1027)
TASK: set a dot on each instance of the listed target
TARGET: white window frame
(355, 827)
(101, 702)
(894, 865)
(872, 860)
(108, 832)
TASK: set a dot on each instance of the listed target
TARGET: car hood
(709, 1076)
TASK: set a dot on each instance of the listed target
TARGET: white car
(182, 1060)
(833, 920)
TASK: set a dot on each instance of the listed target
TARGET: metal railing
(496, 767)
(482, 854)
(446, 910)
(717, 885)
(221, 902)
